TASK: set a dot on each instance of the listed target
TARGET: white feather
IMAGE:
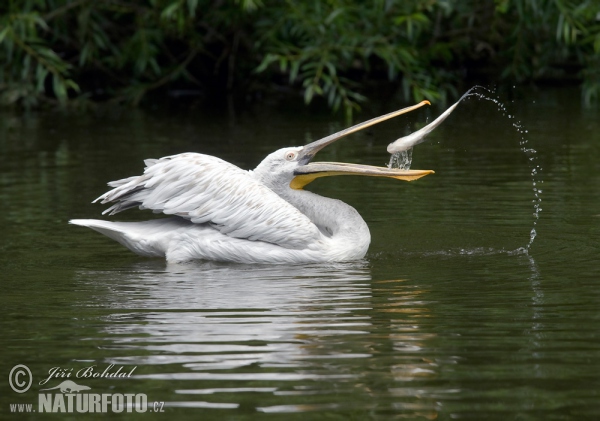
(204, 189)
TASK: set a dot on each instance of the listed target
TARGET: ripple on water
(232, 331)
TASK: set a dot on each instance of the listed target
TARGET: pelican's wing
(205, 189)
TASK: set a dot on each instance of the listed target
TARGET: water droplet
(531, 155)
(401, 160)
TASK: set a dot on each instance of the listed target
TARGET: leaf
(72, 85)
(84, 54)
(308, 94)
(192, 6)
(269, 58)
(294, 70)
(41, 74)
(283, 64)
(333, 15)
(4, 33)
(169, 11)
(37, 19)
(331, 67)
(59, 89)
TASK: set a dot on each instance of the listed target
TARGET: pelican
(220, 212)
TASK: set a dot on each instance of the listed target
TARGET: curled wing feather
(205, 189)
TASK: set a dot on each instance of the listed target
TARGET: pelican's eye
(291, 155)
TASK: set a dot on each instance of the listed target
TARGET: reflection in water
(537, 323)
(277, 338)
(412, 361)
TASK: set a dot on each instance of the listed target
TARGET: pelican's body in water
(223, 213)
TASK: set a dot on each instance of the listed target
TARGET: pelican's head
(292, 165)
(277, 169)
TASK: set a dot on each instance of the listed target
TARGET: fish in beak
(306, 171)
(407, 142)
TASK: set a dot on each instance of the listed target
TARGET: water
(447, 317)
(529, 152)
(403, 159)
(407, 142)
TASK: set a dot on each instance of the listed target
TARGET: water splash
(401, 149)
(532, 157)
(401, 160)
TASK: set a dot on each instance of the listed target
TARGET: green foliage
(68, 51)
(546, 38)
(317, 43)
(30, 62)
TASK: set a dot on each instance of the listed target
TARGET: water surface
(447, 317)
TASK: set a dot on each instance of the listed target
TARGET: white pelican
(223, 213)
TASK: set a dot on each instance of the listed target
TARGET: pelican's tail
(147, 238)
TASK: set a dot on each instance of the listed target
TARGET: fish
(407, 142)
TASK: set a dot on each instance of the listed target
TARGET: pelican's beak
(310, 150)
(307, 172)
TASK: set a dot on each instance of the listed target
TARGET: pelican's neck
(336, 219)
(339, 222)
